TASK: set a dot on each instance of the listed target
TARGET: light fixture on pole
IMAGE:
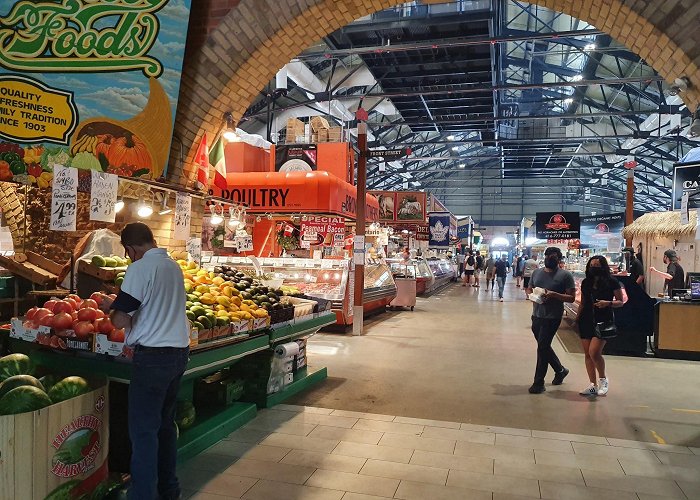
(164, 210)
(145, 209)
(234, 219)
(216, 217)
(119, 205)
(229, 130)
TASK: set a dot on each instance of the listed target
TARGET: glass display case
(416, 268)
(443, 273)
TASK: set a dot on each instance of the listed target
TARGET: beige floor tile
(493, 451)
(351, 435)
(537, 471)
(210, 496)
(642, 445)
(325, 461)
(356, 483)
(330, 420)
(647, 496)
(495, 429)
(227, 484)
(460, 435)
(211, 461)
(296, 428)
(360, 496)
(388, 453)
(246, 435)
(417, 443)
(564, 491)
(489, 482)
(632, 483)
(273, 490)
(275, 416)
(578, 438)
(590, 462)
(248, 450)
(690, 461)
(304, 409)
(696, 451)
(612, 451)
(272, 471)
(533, 443)
(506, 496)
(427, 422)
(691, 489)
(408, 472)
(660, 471)
(360, 414)
(392, 427)
(300, 442)
(409, 490)
(450, 461)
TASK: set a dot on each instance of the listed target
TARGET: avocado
(198, 325)
(277, 307)
(191, 316)
(204, 321)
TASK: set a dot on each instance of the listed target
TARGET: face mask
(596, 271)
(551, 263)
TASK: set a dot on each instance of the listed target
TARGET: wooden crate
(101, 273)
(295, 128)
(30, 444)
(319, 123)
(322, 135)
(335, 134)
(33, 267)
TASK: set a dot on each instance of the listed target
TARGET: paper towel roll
(288, 349)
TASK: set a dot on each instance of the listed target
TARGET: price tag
(194, 248)
(103, 196)
(64, 202)
(183, 217)
(244, 243)
(327, 264)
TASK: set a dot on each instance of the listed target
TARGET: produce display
(30, 165)
(21, 392)
(253, 289)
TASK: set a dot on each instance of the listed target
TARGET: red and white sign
(318, 230)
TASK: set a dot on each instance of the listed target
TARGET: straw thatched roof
(661, 224)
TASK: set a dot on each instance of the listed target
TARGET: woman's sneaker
(602, 386)
(589, 391)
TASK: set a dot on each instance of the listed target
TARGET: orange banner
(290, 192)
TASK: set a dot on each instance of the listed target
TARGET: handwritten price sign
(64, 203)
(183, 216)
(103, 196)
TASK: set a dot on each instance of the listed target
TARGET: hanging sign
(686, 179)
(64, 202)
(685, 216)
(558, 225)
(389, 154)
(183, 216)
(103, 196)
(296, 158)
(596, 230)
(325, 231)
(439, 228)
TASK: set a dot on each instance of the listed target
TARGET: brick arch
(235, 47)
(11, 206)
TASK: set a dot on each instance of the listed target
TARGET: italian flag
(218, 161)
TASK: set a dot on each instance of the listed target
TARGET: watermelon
(17, 381)
(184, 414)
(14, 364)
(48, 381)
(69, 387)
(23, 399)
(64, 492)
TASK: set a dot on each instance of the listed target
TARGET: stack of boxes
(319, 131)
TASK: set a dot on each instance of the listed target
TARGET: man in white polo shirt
(150, 305)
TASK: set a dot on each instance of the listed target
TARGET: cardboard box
(261, 323)
(335, 134)
(319, 123)
(117, 349)
(323, 135)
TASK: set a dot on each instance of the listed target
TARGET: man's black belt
(159, 350)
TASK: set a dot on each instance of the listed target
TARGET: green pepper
(11, 157)
(18, 168)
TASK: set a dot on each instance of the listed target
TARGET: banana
(77, 146)
(91, 145)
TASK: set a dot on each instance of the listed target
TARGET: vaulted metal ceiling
(508, 107)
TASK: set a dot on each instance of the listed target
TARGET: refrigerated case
(443, 273)
(329, 279)
(416, 268)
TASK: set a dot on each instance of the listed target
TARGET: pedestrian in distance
(478, 269)
(150, 306)
(600, 294)
(490, 266)
(559, 287)
(528, 268)
(469, 265)
(501, 268)
(460, 263)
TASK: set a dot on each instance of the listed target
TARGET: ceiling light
(119, 205)
(231, 136)
(462, 165)
(164, 210)
(455, 148)
(144, 209)
(451, 137)
(501, 242)
(234, 218)
(589, 46)
(216, 218)
(577, 78)
(568, 101)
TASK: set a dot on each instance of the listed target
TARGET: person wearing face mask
(150, 306)
(600, 294)
(559, 287)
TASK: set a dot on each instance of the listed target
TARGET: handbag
(605, 329)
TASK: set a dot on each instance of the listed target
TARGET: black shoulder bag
(604, 330)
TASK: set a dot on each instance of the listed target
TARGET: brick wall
(236, 47)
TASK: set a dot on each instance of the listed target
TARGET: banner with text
(686, 179)
(558, 225)
(322, 231)
(596, 230)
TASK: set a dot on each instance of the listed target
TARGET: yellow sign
(32, 112)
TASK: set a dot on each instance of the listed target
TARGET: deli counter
(415, 268)
(443, 273)
(329, 279)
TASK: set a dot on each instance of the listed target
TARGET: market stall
(417, 269)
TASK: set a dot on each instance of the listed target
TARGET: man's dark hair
(553, 251)
(136, 234)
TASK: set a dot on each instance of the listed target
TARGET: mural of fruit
(138, 147)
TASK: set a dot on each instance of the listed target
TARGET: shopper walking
(149, 305)
(478, 269)
(490, 266)
(600, 294)
(501, 268)
(460, 263)
(529, 267)
(469, 264)
(559, 287)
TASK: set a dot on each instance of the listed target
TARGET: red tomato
(83, 329)
(97, 297)
(50, 304)
(100, 314)
(46, 320)
(105, 326)
(116, 335)
(30, 314)
(39, 314)
(76, 298)
(63, 306)
(62, 321)
(88, 303)
(74, 315)
(72, 302)
(87, 314)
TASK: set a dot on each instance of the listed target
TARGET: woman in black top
(600, 293)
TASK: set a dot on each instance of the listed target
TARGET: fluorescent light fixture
(500, 242)
(589, 46)
(451, 137)
(144, 209)
(462, 165)
(231, 136)
(216, 217)
(164, 210)
(455, 148)
(568, 101)
(577, 78)
(119, 205)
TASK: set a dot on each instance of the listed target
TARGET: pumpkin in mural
(129, 150)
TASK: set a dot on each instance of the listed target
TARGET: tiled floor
(306, 453)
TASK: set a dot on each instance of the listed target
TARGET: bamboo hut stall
(676, 332)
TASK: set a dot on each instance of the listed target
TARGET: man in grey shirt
(559, 287)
